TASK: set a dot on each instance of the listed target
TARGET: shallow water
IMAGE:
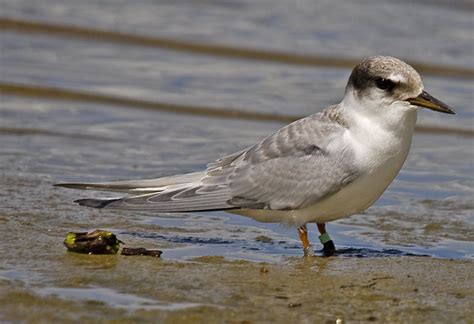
(427, 212)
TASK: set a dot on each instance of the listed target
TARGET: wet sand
(216, 290)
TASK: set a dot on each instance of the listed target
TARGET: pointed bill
(426, 100)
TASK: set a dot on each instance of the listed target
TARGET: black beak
(426, 100)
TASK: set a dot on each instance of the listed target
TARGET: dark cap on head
(370, 69)
(375, 70)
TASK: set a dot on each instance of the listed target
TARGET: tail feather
(181, 193)
(182, 200)
(142, 186)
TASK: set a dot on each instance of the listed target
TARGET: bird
(329, 165)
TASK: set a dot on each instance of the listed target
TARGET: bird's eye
(384, 84)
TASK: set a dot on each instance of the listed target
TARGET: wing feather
(296, 167)
(293, 168)
(148, 185)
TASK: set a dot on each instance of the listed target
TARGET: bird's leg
(328, 245)
(307, 249)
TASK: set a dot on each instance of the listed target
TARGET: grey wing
(291, 169)
(297, 166)
(193, 198)
(178, 193)
(139, 186)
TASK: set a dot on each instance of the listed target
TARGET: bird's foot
(329, 249)
(308, 251)
(307, 248)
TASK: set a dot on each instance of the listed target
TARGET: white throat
(379, 133)
(367, 116)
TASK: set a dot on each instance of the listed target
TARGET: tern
(329, 165)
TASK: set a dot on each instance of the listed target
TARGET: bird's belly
(353, 198)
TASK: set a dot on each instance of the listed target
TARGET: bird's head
(386, 85)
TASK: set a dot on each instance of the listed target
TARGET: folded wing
(294, 168)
